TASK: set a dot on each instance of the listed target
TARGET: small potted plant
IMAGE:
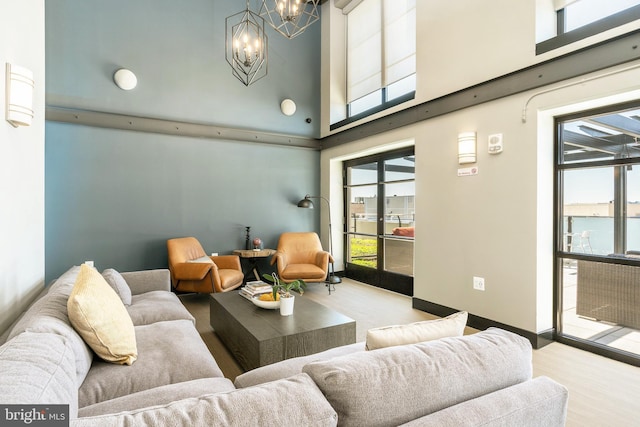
(284, 289)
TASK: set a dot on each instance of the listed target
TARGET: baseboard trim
(538, 340)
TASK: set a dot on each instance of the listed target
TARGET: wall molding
(171, 127)
(607, 54)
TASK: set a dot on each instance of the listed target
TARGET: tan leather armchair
(300, 256)
(193, 271)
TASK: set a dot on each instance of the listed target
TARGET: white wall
(21, 164)
(497, 224)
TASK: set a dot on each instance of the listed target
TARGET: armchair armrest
(280, 258)
(322, 258)
(148, 280)
(231, 262)
(192, 270)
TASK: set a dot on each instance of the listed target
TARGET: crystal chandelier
(290, 17)
(246, 46)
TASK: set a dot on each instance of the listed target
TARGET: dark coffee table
(258, 337)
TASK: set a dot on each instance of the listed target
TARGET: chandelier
(290, 17)
(246, 46)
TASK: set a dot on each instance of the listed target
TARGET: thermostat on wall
(495, 143)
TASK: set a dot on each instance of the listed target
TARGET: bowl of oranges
(266, 300)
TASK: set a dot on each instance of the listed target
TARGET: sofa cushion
(118, 284)
(49, 315)
(148, 280)
(99, 316)
(540, 402)
(38, 369)
(294, 401)
(427, 330)
(157, 306)
(394, 385)
(288, 367)
(159, 396)
(168, 352)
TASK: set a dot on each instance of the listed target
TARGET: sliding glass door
(380, 223)
(598, 231)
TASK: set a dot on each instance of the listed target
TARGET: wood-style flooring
(602, 392)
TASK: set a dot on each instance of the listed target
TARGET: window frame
(385, 103)
(565, 38)
(620, 220)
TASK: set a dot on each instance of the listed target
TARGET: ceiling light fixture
(246, 46)
(290, 17)
(125, 79)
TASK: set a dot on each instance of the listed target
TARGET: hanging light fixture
(290, 17)
(246, 46)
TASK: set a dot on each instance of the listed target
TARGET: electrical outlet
(214, 253)
(89, 263)
(478, 283)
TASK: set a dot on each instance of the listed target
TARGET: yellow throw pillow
(427, 330)
(99, 316)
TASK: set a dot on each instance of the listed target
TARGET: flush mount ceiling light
(246, 46)
(466, 147)
(290, 17)
(19, 96)
(288, 107)
(125, 79)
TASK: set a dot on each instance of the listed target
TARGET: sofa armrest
(148, 280)
(540, 402)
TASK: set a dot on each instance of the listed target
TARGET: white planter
(286, 305)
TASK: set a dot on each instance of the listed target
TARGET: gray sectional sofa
(482, 379)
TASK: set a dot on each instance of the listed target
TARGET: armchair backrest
(183, 249)
(300, 247)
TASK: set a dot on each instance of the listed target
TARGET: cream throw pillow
(99, 316)
(428, 330)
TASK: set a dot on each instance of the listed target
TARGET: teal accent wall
(177, 51)
(116, 196)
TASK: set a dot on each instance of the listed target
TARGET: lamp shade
(306, 203)
(290, 17)
(19, 95)
(466, 147)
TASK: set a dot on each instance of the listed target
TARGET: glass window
(580, 19)
(584, 12)
(588, 210)
(600, 194)
(381, 54)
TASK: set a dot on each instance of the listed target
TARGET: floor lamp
(308, 204)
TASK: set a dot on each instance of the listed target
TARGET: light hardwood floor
(602, 392)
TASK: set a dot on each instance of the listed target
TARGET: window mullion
(383, 48)
(620, 210)
(561, 26)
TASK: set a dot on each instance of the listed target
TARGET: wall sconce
(125, 79)
(19, 95)
(466, 147)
